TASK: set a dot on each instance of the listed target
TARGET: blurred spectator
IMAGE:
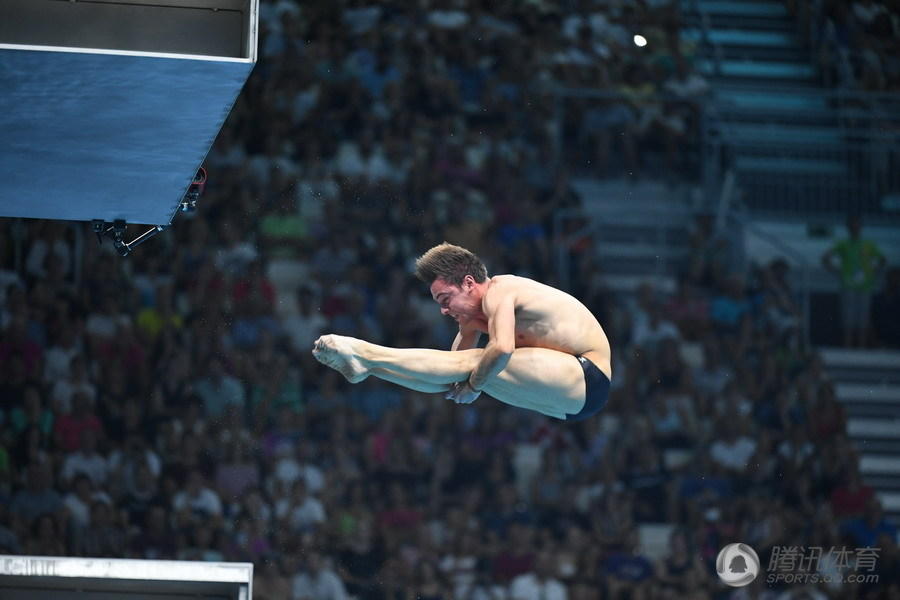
(865, 529)
(86, 460)
(38, 498)
(103, 537)
(681, 570)
(155, 540)
(627, 567)
(197, 499)
(218, 390)
(69, 428)
(300, 511)
(858, 264)
(731, 450)
(540, 583)
(318, 581)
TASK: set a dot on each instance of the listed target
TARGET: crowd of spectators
(167, 405)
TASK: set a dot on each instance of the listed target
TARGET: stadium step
(744, 38)
(758, 69)
(639, 230)
(868, 360)
(783, 134)
(767, 100)
(867, 383)
(760, 8)
(791, 167)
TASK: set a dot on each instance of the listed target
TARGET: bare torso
(550, 318)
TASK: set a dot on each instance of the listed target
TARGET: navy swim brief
(596, 390)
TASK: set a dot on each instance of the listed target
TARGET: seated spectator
(38, 498)
(688, 309)
(303, 327)
(156, 539)
(9, 539)
(541, 583)
(827, 417)
(32, 413)
(201, 545)
(730, 307)
(69, 427)
(78, 502)
(851, 498)
(796, 450)
(57, 361)
(681, 570)
(218, 390)
(152, 320)
(458, 564)
(648, 334)
(301, 512)
(318, 581)
(197, 499)
(86, 460)
(141, 494)
(104, 537)
(237, 471)
(713, 375)
(77, 382)
(647, 478)
(17, 345)
(46, 539)
(672, 420)
(270, 581)
(103, 324)
(732, 449)
(234, 254)
(865, 530)
(627, 567)
(516, 556)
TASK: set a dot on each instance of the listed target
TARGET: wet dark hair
(450, 263)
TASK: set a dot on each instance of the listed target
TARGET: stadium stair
(640, 231)
(771, 113)
(867, 383)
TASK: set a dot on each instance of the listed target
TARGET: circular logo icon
(737, 565)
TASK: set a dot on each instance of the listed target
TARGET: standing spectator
(858, 262)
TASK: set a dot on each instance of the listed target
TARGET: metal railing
(821, 163)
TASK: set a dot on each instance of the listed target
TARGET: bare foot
(336, 351)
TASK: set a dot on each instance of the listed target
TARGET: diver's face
(459, 302)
